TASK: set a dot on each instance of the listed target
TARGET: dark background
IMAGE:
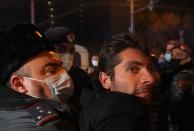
(94, 21)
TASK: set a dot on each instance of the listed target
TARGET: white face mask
(67, 60)
(167, 56)
(60, 85)
(95, 63)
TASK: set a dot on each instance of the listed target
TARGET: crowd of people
(125, 89)
(177, 86)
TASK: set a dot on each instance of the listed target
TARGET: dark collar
(11, 100)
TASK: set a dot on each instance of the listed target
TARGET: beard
(144, 89)
(142, 93)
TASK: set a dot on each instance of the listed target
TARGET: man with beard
(124, 93)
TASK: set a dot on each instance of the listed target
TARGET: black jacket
(23, 113)
(111, 111)
(81, 80)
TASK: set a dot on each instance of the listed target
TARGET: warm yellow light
(38, 33)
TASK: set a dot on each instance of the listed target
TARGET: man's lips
(143, 90)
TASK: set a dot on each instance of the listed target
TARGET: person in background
(34, 86)
(176, 88)
(94, 60)
(93, 70)
(162, 62)
(126, 81)
(64, 41)
(181, 95)
(175, 59)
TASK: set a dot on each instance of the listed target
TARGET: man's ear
(105, 80)
(16, 83)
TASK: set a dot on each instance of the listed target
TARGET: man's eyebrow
(52, 64)
(138, 63)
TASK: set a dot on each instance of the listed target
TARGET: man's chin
(145, 98)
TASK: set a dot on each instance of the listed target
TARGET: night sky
(97, 20)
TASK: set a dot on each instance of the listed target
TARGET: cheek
(125, 85)
(29, 86)
(46, 93)
(125, 81)
(39, 89)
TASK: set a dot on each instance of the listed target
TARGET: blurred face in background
(66, 53)
(94, 60)
(178, 53)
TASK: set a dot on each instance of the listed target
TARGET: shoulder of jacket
(42, 113)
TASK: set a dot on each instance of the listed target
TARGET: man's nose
(148, 77)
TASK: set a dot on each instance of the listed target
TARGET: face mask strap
(52, 89)
(33, 79)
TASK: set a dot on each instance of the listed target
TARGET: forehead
(131, 55)
(42, 59)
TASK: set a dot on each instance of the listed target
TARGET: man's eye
(133, 69)
(50, 70)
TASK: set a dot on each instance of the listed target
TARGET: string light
(81, 19)
(51, 12)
